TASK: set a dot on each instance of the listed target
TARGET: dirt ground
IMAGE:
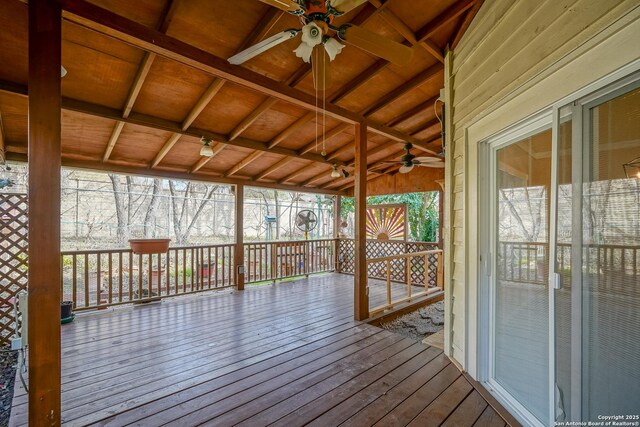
(419, 324)
(8, 363)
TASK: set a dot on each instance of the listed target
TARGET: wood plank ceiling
(130, 110)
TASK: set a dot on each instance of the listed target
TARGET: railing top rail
(394, 241)
(127, 250)
(406, 255)
(268, 242)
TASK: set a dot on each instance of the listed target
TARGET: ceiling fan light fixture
(206, 150)
(333, 48)
(334, 172)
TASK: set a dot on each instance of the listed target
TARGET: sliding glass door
(564, 261)
(597, 244)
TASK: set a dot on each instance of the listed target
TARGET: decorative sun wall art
(387, 222)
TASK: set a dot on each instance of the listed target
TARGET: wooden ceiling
(130, 105)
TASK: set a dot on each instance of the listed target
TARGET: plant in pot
(66, 312)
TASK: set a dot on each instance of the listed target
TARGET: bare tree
(182, 226)
(150, 216)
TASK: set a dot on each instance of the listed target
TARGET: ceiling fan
(318, 43)
(408, 161)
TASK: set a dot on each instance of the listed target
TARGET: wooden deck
(286, 355)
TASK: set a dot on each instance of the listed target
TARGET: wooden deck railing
(393, 263)
(420, 271)
(527, 262)
(102, 278)
(269, 261)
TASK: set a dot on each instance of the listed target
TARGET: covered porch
(289, 354)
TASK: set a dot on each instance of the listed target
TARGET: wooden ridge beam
(274, 167)
(70, 161)
(464, 25)
(204, 159)
(448, 15)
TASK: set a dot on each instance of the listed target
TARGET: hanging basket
(149, 246)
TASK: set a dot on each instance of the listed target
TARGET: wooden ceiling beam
(412, 112)
(444, 18)
(425, 126)
(204, 160)
(171, 173)
(274, 167)
(111, 24)
(404, 88)
(327, 136)
(138, 81)
(349, 146)
(406, 32)
(161, 124)
(315, 178)
(294, 174)
(168, 145)
(126, 30)
(244, 162)
(359, 80)
(251, 118)
(464, 25)
(204, 100)
(291, 129)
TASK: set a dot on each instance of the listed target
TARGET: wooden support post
(336, 231)
(440, 212)
(361, 303)
(239, 249)
(45, 22)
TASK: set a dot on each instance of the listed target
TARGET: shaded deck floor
(285, 355)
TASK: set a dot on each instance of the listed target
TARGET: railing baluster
(388, 282)
(98, 277)
(120, 268)
(74, 280)
(110, 278)
(86, 280)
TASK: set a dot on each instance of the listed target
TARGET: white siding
(517, 58)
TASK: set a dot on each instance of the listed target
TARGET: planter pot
(149, 246)
(65, 310)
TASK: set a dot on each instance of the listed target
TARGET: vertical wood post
(440, 213)
(239, 249)
(361, 304)
(44, 212)
(336, 231)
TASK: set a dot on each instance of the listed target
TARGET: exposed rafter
(206, 159)
(138, 81)
(274, 167)
(444, 18)
(464, 25)
(333, 132)
(423, 106)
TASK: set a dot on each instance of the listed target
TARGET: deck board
(289, 354)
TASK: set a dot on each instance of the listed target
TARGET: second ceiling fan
(318, 43)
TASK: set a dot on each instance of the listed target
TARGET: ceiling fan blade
(428, 159)
(375, 44)
(405, 169)
(263, 46)
(431, 165)
(286, 5)
(345, 6)
(320, 66)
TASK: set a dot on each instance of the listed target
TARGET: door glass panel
(521, 337)
(611, 259)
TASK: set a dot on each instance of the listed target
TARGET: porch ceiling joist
(171, 173)
(412, 112)
(111, 24)
(138, 81)
(162, 124)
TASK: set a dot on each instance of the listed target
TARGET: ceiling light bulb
(63, 71)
